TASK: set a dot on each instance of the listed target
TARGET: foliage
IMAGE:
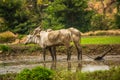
(118, 5)
(68, 13)
(9, 10)
(100, 22)
(20, 36)
(4, 48)
(112, 74)
(17, 16)
(33, 48)
(63, 75)
(8, 76)
(38, 73)
(22, 16)
(117, 20)
(25, 28)
(24, 75)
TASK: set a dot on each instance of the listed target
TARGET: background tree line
(22, 16)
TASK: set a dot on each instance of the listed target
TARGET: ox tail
(80, 34)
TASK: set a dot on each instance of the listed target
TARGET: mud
(16, 64)
(20, 57)
(17, 50)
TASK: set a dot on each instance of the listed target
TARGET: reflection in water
(75, 66)
(72, 66)
(92, 68)
(53, 65)
(69, 66)
(79, 67)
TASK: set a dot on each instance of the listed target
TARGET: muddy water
(16, 64)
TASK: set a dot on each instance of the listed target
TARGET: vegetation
(101, 40)
(16, 16)
(84, 40)
(7, 37)
(39, 73)
(33, 48)
(22, 16)
(117, 16)
(62, 14)
(112, 74)
(8, 76)
(5, 48)
(16, 49)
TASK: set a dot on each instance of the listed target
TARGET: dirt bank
(16, 50)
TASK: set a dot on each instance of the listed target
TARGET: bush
(24, 75)
(38, 73)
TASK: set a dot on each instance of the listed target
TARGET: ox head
(38, 35)
(29, 39)
(37, 30)
(49, 30)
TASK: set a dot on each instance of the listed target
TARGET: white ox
(49, 39)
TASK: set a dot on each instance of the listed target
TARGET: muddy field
(15, 61)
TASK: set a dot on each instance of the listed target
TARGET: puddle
(92, 68)
(58, 66)
(17, 64)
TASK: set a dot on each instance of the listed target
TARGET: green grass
(101, 40)
(112, 74)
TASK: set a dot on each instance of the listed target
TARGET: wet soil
(14, 65)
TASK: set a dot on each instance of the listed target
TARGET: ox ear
(38, 35)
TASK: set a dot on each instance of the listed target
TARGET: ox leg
(51, 52)
(54, 52)
(44, 53)
(79, 50)
(68, 54)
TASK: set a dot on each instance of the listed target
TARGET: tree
(21, 16)
(104, 13)
(67, 13)
(13, 13)
(99, 22)
(117, 16)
